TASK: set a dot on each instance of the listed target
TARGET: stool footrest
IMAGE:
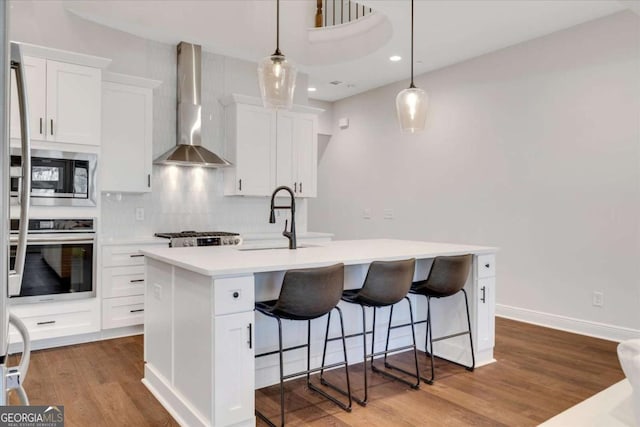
(270, 353)
(312, 370)
(446, 337)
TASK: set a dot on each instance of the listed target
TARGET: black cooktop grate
(196, 234)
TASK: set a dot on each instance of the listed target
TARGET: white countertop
(611, 407)
(134, 240)
(223, 261)
(279, 236)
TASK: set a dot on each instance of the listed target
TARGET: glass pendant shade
(277, 78)
(411, 106)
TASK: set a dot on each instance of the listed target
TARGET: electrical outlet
(598, 299)
(388, 214)
(366, 213)
(139, 214)
(157, 291)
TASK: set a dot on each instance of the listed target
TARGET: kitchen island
(201, 334)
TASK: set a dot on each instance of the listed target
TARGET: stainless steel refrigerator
(11, 378)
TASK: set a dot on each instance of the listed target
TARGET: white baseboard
(569, 324)
(105, 334)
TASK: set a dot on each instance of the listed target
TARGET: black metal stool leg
(429, 343)
(415, 374)
(473, 357)
(324, 350)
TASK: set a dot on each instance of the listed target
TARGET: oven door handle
(15, 276)
(53, 239)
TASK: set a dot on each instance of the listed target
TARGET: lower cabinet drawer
(57, 325)
(122, 281)
(123, 311)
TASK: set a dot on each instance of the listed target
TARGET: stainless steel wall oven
(58, 178)
(60, 260)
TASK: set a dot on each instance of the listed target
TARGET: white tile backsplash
(191, 198)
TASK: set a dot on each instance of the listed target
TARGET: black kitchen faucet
(291, 235)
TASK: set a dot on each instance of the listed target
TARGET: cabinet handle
(250, 342)
(301, 187)
(240, 185)
(136, 280)
(487, 265)
(483, 298)
(137, 310)
(295, 187)
(236, 294)
(135, 255)
(148, 180)
(51, 126)
(40, 125)
(47, 322)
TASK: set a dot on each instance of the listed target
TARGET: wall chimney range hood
(189, 150)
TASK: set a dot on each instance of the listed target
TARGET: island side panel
(177, 344)
(193, 340)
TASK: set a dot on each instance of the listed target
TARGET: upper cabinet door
(285, 159)
(73, 103)
(127, 127)
(255, 150)
(306, 154)
(36, 78)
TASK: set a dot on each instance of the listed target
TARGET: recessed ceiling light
(395, 58)
(311, 89)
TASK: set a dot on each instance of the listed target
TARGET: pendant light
(411, 103)
(276, 75)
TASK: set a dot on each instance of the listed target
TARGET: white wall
(534, 148)
(182, 198)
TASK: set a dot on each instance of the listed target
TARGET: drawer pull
(136, 256)
(483, 298)
(487, 265)
(47, 322)
(136, 310)
(136, 280)
(250, 342)
(236, 294)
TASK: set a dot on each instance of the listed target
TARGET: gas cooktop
(201, 238)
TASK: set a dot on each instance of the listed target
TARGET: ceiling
(446, 32)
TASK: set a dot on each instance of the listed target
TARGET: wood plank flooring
(539, 373)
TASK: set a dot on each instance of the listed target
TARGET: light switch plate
(139, 214)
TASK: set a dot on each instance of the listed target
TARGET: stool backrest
(449, 274)
(387, 282)
(311, 292)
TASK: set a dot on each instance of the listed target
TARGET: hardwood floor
(539, 373)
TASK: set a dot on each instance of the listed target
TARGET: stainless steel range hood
(189, 151)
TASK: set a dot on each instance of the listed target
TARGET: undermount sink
(263, 248)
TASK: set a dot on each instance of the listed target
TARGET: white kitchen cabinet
(199, 348)
(64, 102)
(122, 284)
(297, 148)
(251, 144)
(234, 388)
(57, 319)
(127, 133)
(269, 148)
(484, 303)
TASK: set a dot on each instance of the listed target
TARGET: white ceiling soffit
(446, 32)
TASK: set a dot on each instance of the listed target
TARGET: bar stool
(307, 294)
(447, 277)
(387, 283)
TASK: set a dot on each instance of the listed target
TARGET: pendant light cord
(277, 52)
(412, 85)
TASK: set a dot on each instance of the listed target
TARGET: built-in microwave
(58, 178)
